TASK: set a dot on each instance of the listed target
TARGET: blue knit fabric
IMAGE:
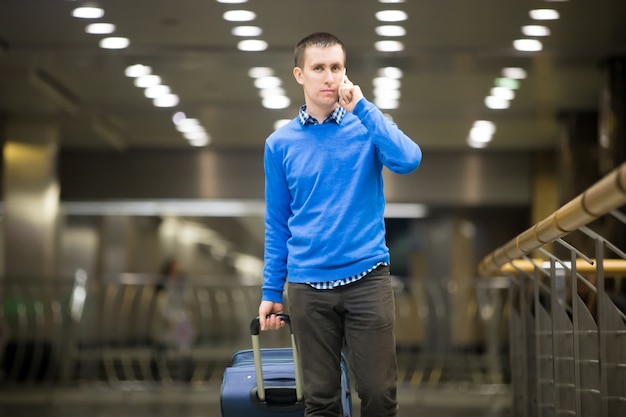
(324, 196)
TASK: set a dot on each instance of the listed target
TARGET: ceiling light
(503, 93)
(189, 125)
(389, 46)
(199, 142)
(276, 102)
(496, 103)
(252, 45)
(146, 81)
(388, 104)
(88, 12)
(100, 28)
(476, 144)
(391, 15)
(258, 72)
(544, 14)
(527, 45)
(535, 30)
(114, 43)
(390, 72)
(137, 70)
(232, 1)
(514, 72)
(390, 30)
(168, 100)
(387, 93)
(391, 1)
(267, 82)
(178, 117)
(247, 31)
(482, 131)
(156, 91)
(280, 123)
(385, 82)
(239, 15)
(272, 91)
(505, 82)
(196, 135)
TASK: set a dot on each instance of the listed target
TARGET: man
(325, 232)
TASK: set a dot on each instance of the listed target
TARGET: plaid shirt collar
(336, 116)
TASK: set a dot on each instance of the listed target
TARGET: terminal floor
(178, 401)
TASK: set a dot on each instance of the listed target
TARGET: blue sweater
(324, 196)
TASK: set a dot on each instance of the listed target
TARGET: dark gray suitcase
(273, 389)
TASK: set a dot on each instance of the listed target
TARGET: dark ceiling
(52, 71)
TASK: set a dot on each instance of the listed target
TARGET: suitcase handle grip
(255, 328)
(255, 324)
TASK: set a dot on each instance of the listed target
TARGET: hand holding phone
(348, 93)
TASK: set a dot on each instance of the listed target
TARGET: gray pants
(359, 317)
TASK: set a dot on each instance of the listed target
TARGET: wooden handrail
(611, 266)
(605, 195)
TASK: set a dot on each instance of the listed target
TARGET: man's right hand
(267, 315)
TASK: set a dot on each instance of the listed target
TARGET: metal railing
(120, 333)
(567, 309)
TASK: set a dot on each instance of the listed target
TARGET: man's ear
(297, 74)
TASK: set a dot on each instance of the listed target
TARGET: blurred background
(132, 174)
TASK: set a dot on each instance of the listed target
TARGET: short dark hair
(322, 39)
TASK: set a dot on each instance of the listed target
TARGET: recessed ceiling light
(137, 70)
(100, 28)
(391, 15)
(387, 93)
(385, 82)
(247, 31)
(280, 123)
(114, 42)
(252, 45)
(272, 91)
(258, 72)
(390, 72)
(239, 15)
(196, 136)
(390, 30)
(199, 142)
(156, 91)
(187, 125)
(482, 131)
(514, 73)
(391, 1)
(232, 1)
(88, 12)
(503, 93)
(146, 81)
(527, 45)
(168, 100)
(267, 82)
(496, 103)
(387, 104)
(510, 83)
(544, 14)
(535, 30)
(276, 102)
(389, 46)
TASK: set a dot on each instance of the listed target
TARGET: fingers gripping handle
(255, 329)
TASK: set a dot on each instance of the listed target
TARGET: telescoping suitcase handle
(255, 329)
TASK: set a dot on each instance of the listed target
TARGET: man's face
(320, 76)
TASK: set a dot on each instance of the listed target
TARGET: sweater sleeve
(397, 151)
(277, 213)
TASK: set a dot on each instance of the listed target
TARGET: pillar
(612, 132)
(31, 200)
